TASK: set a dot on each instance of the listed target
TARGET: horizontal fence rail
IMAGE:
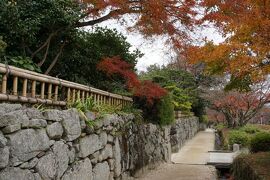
(19, 85)
(179, 114)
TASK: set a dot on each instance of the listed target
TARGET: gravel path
(181, 172)
(190, 162)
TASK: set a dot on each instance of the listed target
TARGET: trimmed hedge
(239, 137)
(250, 129)
(260, 142)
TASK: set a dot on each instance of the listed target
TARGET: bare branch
(43, 45)
(55, 59)
(45, 55)
(99, 20)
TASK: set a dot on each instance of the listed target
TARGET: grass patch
(100, 110)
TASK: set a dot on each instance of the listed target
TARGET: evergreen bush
(165, 110)
(239, 137)
(260, 142)
(250, 129)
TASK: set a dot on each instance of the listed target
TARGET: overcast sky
(155, 50)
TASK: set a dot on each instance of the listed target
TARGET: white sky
(155, 50)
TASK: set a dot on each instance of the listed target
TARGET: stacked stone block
(57, 144)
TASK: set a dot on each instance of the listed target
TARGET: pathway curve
(195, 151)
(190, 162)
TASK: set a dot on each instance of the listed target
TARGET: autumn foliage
(238, 108)
(150, 91)
(151, 17)
(142, 89)
(246, 26)
(115, 65)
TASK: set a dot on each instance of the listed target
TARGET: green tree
(42, 36)
(86, 50)
(3, 46)
(38, 30)
(183, 86)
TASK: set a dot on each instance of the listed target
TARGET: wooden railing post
(24, 92)
(73, 95)
(68, 95)
(15, 86)
(42, 91)
(50, 91)
(102, 99)
(110, 100)
(83, 96)
(78, 94)
(4, 84)
(56, 93)
(33, 89)
(95, 98)
(98, 99)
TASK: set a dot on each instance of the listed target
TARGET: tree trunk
(55, 59)
(229, 121)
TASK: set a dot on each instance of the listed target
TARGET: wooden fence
(19, 85)
(178, 114)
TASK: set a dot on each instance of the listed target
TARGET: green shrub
(103, 109)
(220, 126)
(250, 129)
(239, 137)
(21, 62)
(165, 110)
(87, 105)
(161, 111)
(260, 142)
(180, 98)
(204, 119)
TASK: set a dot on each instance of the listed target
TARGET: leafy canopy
(238, 108)
(38, 30)
(153, 17)
(103, 43)
(182, 85)
(245, 52)
(143, 90)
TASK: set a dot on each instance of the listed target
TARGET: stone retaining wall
(184, 128)
(56, 144)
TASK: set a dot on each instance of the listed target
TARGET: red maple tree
(238, 108)
(145, 89)
(150, 91)
(152, 17)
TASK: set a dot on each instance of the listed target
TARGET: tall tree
(103, 43)
(39, 30)
(173, 19)
(183, 85)
(238, 108)
(152, 16)
(245, 53)
(43, 29)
